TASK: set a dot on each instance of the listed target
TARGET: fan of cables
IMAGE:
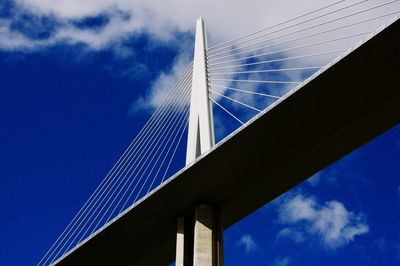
(251, 72)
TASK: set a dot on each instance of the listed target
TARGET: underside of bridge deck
(347, 105)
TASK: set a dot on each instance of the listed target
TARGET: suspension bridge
(248, 120)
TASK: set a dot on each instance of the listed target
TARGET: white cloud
(293, 234)
(314, 180)
(163, 84)
(285, 261)
(163, 17)
(298, 208)
(331, 222)
(248, 243)
(341, 171)
(10, 39)
(161, 20)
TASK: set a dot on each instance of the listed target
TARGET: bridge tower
(201, 127)
(199, 235)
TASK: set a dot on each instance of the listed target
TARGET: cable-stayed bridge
(248, 120)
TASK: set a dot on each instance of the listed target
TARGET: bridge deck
(347, 105)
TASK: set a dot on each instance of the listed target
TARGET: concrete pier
(199, 239)
(207, 246)
(180, 242)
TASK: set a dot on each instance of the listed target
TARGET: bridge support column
(180, 242)
(208, 236)
(199, 239)
(184, 241)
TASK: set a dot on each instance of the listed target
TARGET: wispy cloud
(331, 174)
(330, 222)
(163, 84)
(295, 235)
(341, 171)
(397, 248)
(314, 180)
(380, 244)
(152, 16)
(126, 18)
(248, 243)
(398, 192)
(285, 261)
(74, 23)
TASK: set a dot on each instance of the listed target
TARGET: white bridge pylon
(202, 245)
(201, 125)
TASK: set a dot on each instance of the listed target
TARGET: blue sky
(365, 183)
(78, 81)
